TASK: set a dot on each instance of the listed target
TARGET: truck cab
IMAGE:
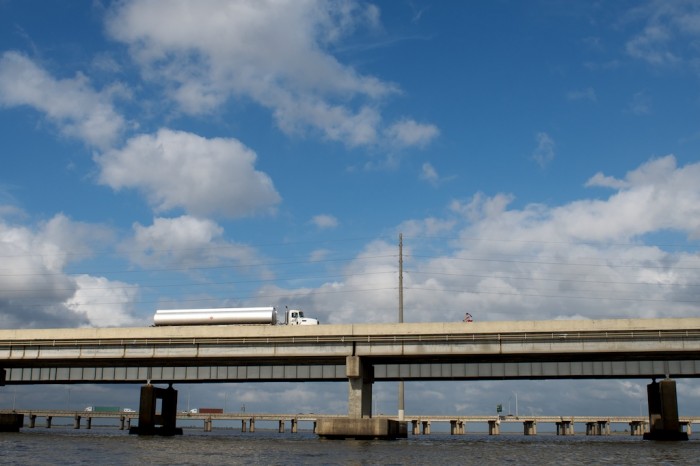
(296, 317)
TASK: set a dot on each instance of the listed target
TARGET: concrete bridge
(360, 353)
(420, 424)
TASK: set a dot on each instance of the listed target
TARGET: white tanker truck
(230, 316)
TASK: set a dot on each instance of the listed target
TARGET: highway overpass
(359, 353)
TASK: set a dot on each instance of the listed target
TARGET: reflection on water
(231, 447)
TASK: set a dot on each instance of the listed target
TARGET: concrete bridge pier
(530, 427)
(11, 422)
(151, 422)
(32, 421)
(426, 427)
(294, 426)
(592, 428)
(88, 423)
(414, 427)
(207, 424)
(360, 378)
(76, 421)
(494, 427)
(456, 427)
(281, 426)
(359, 423)
(637, 428)
(48, 421)
(243, 425)
(252, 425)
(663, 412)
(565, 427)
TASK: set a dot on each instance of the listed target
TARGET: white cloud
(324, 221)
(669, 33)
(176, 169)
(408, 133)
(273, 52)
(36, 290)
(544, 152)
(71, 104)
(583, 259)
(184, 242)
(429, 174)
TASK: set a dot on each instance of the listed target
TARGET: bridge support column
(414, 427)
(151, 422)
(361, 378)
(663, 412)
(604, 427)
(637, 428)
(426, 427)
(281, 426)
(457, 427)
(592, 428)
(530, 427)
(207, 424)
(76, 422)
(494, 427)
(122, 422)
(252, 425)
(359, 423)
(294, 426)
(11, 422)
(32, 421)
(48, 421)
(565, 427)
(243, 425)
(88, 423)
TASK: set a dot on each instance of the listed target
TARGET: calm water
(65, 446)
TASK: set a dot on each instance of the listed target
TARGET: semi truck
(230, 316)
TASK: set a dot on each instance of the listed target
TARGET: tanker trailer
(230, 316)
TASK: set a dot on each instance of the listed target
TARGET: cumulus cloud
(37, 291)
(583, 259)
(324, 221)
(184, 241)
(176, 169)
(78, 110)
(408, 133)
(274, 53)
(668, 33)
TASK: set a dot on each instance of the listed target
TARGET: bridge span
(359, 353)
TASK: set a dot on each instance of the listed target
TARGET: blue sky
(540, 158)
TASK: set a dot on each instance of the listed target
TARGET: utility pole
(401, 395)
